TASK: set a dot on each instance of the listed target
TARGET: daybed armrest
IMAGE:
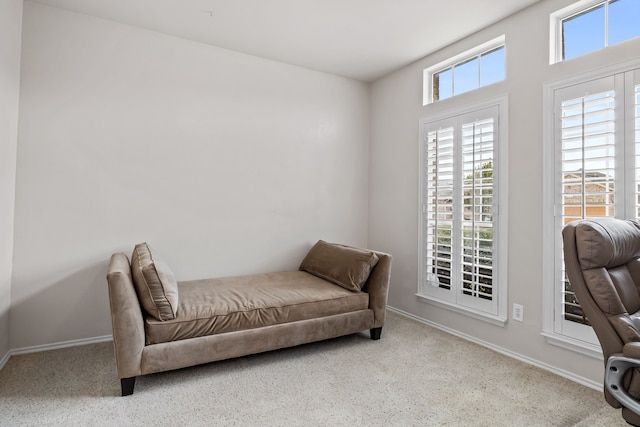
(377, 287)
(126, 317)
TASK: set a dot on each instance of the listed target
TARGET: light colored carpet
(414, 376)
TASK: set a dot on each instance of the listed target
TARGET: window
(594, 151)
(462, 232)
(478, 67)
(591, 25)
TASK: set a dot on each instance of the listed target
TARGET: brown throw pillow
(155, 283)
(343, 265)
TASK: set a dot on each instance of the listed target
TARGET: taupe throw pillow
(343, 265)
(155, 283)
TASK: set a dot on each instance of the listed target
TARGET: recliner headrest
(607, 242)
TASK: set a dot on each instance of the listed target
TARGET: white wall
(10, 33)
(393, 208)
(231, 164)
(226, 163)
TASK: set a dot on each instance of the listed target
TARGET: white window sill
(588, 349)
(479, 315)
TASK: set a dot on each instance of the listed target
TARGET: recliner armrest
(631, 350)
(617, 366)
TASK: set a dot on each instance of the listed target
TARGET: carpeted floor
(414, 376)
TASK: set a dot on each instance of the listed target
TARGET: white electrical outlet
(518, 312)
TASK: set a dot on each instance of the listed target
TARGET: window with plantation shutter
(587, 145)
(459, 198)
(596, 173)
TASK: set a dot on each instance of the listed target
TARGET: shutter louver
(477, 209)
(588, 157)
(439, 207)
(588, 170)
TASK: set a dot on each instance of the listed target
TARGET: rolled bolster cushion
(343, 265)
(155, 283)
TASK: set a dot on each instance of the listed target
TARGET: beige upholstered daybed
(160, 324)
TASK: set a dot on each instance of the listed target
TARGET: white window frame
(428, 73)
(555, 26)
(498, 313)
(579, 338)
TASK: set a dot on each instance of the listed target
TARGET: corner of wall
(10, 53)
(5, 359)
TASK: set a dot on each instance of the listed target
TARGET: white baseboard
(561, 372)
(56, 346)
(5, 359)
(565, 374)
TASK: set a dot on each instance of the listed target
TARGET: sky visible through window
(591, 30)
(481, 70)
(602, 25)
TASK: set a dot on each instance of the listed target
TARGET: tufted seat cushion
(214, 306)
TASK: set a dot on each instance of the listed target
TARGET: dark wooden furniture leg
(127, 385)
(375, 333)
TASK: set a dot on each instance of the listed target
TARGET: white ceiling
(361, 39)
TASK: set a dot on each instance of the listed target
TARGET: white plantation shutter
(588, 156)
(458, 217)
(439, 174)
(587, 146)
(477, 208)
(597, 171)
